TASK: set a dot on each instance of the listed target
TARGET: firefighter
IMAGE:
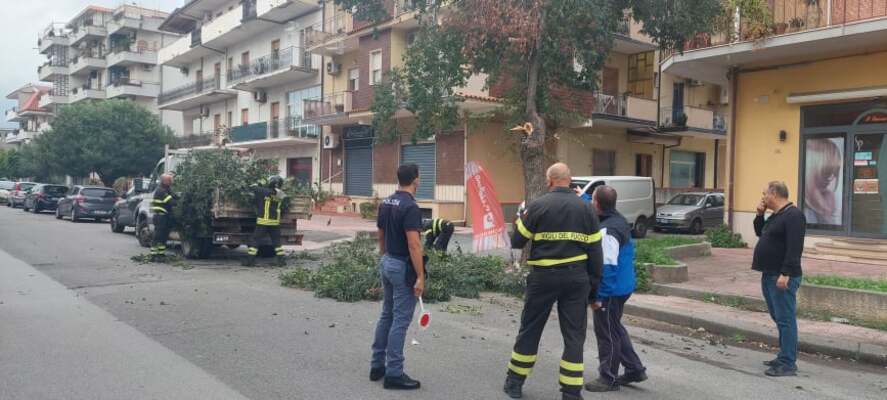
(437, 232)
(566, 261)
(269, 202)
(161, 205)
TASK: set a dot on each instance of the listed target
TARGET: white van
(636, 198)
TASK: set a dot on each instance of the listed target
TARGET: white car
(5, 187)
(636, 198)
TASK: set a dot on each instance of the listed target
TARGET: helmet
(275, 182)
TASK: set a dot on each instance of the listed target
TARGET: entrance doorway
(300, 170)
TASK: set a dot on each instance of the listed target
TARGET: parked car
(94, 202)
(5, 188)
(44, 197)
(125, 210)
(18, 193)
(636, 198)
(692, 212)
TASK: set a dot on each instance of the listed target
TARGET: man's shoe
(597, 386)
(771, 363)
(403, 382)
(781, 370)
(571, 396)
(514, 387)
(377, 373)
(631, 377)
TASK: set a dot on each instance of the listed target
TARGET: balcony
(49, 100)
(279, 68)
(284, 10)
(12, 115)
(48, 72)
(80, 94)
(194, 94)
(329, 109)
(128, 88)
(131, 56)
(234, 26)
(694, 121)
(195, 140)
(331, 37)
(184, 51)
(291, 130)
(84, 64)
(20, 137)
(82, 33)
(45, 43)
(122, 24)
(802, 31)
(623, 111)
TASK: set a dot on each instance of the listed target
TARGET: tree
(534, 45)
(112, 138)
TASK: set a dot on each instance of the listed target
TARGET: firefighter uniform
(437, 233)
(566, 261)
(161, 205)
(268, 211)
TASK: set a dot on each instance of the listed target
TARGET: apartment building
(105, 53)
(240, 74)
(640, 122)
(30, 117)
(810, 111)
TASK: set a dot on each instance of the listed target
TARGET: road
(82, 321)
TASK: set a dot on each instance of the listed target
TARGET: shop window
(686, 169)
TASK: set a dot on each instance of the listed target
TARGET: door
(677, 105)
(710, 213)
(359, 167)
(610, 87)
(199, 77)
(868, 177)
(424, 156)
(300, 170)
(275, 122)
(217, 69)
(643, 165)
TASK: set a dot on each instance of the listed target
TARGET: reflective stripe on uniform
(519, 370)
(523, 229)
(572, 236)
(267, 222)
(523, 358)
(549, 262)
(571, 381)
(252, 251)
(164, 201)
(571, 366)
(159, 210)
(279, 251)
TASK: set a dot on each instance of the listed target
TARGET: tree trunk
(533, 146)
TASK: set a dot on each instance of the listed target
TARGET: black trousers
(265, 235)
(613, 343)
(568, 287)
(439, 239)
(162, 226)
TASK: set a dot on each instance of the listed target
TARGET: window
(686, 170)
(376, 67)
(603, 162)
(353, 79)
(295, 108)
(244, 117)
(230, 121)
(640, 74)
(244, 59)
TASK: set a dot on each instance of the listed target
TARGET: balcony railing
(196, 37)
(277, 61)
(190, 89)
(340, 24)
(328, 105)
(249, 132)
(625, 106)
(292, 127)
(194, 140)
(132, 87)
(692, 117)
(789, 16)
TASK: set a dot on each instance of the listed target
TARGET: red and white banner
(486, 211)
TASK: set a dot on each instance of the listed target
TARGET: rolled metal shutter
(359, 167)
(423, 155)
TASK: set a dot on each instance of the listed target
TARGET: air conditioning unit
(694, 82)
(333, 68)
(184, 70)
(204, 111)
(260, 96)
(330, 141)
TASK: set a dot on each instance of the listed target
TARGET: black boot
(514, 387)
(403, 382)
(631, 377)
(377, 373)
(571, 396)
(598, 386)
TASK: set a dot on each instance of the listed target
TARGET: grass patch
(350, 272)
(723, 237)
(655, 250)
(848, 283)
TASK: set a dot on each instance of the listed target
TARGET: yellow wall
(499, 154)
(339, 83)
(762, 112)
(696, 145)
(620, 62)
(398, 47)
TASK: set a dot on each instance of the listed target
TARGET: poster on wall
(487, 218)
(823, 181)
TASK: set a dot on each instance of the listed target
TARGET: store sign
(358, 132)
(866, 186)
(875, 118)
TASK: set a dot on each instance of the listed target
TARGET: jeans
(613, 344)
(782, 305)
(397, 313)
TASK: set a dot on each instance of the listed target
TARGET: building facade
(32, 119)
(809, 111)
(106, 54)
(240, 74)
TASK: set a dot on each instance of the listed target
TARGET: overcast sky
(21, 21)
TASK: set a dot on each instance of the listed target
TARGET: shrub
(642, 275)
(875, 285)
(723, 237)
(370, 209)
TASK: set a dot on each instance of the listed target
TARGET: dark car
(693, 212)
(125, 210)
(44, 197)
(18, 193)
(94, 202)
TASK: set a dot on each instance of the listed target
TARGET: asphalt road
(79, 320)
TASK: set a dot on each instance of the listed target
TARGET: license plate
(100, 212)
(222, 238)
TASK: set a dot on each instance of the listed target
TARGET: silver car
(692, 212)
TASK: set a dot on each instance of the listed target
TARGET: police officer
(437, 232)
(161, 205)
(269, 203)
(566, 261)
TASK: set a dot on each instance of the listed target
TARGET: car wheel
(25, 207)
(58, 213)
(696, 227)
(640, 228)
(115, 225)
(143, 232)
(73, 215)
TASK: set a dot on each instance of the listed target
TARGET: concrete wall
(870, 306)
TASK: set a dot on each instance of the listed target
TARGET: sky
(20, 25)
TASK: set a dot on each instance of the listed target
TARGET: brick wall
(363, 97)
(579, 101)
(450, 158)
(386, 159)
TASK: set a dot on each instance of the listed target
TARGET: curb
(864, 352)
(666, 290)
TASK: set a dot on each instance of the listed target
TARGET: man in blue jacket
(618, 282)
